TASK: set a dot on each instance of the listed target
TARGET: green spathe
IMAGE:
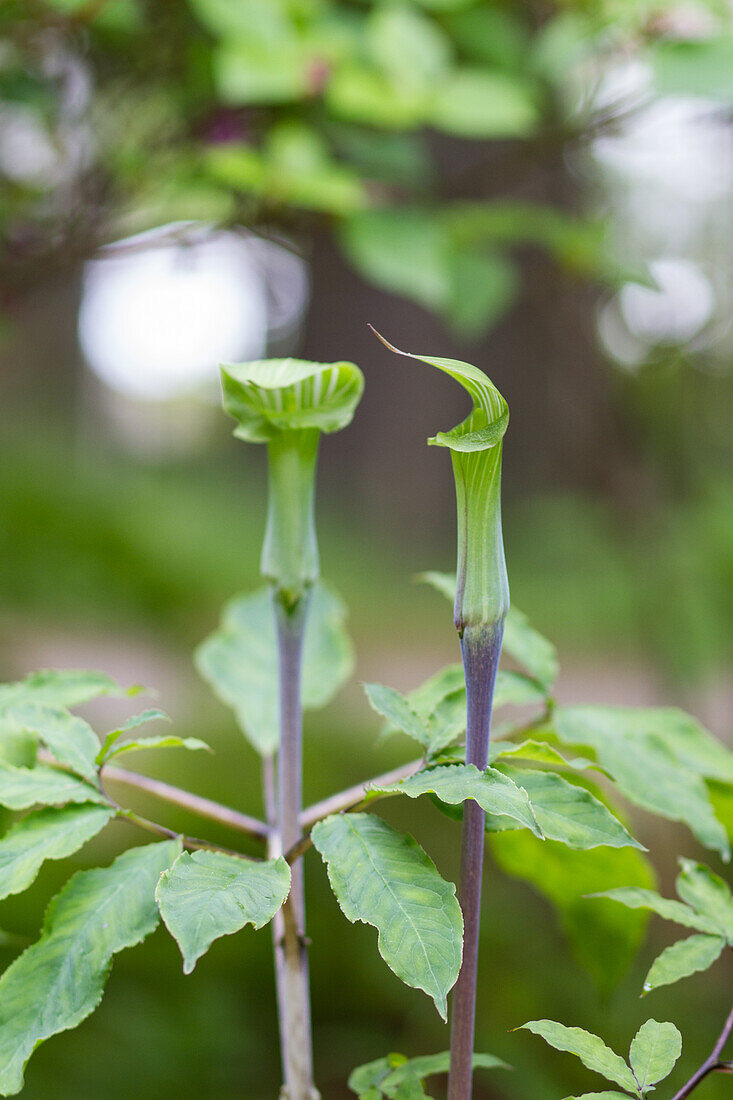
(287, 403)
(482, 588)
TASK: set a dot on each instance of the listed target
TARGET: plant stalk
(480, 649)
(191, 803)
(711, 1064)
(291, 954)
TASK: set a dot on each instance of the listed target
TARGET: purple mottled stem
(291, 955)
(480, 648)
(711, 1064)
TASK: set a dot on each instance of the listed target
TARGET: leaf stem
(193, 803)
(480, 649)
(349, 801)
(291, 953)
(354, 796)
(711, 1064)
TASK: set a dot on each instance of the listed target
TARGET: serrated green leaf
(385, 879)
(446, 721)
(654, 1051)
(441, 703)
(569, 813)
(600, 1096)
(71, 740)
(385, 1074)
(682, 959)
(58, 688)
(604, 938)
(592, 1051)
(536, 752)
(429, 1065)
(59, 981)
(239, 660)
(132, 723)
(21, 788)
(635, 898)
(707, 893)
(454, 783)
(275, 395)
(205, 895)
(46, 834)
(163, 742)
(644, 766)
(410, 1088)
(396, 709)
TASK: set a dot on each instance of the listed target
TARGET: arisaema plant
(550, 793)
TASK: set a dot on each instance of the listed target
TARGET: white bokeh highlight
(159, 311)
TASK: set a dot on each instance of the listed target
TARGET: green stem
(290, 548)
(480, 648)
(291, 954)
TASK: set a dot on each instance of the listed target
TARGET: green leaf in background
(406, 251)
(682, 959)
(21, 787)
(46, 834)
(695, 68)
(517, 690)
(482, 287)
(493, 35)
(671, 910)
(71, 740)
(654, 1052)
(361, 93)
(603, 938)
(293, 166)
(239, 660)
(479, 103)
(569, 813)
(692, 744)
(398, 712)
(59, 688)
(454, 783)
(275, 395)
(533, 651)
(205, 895)
(632, 747)
(248, 71)
(411, 49)
(525, 644)
(132, 723)
(592, 1051)
(59, 981)
(385, 879)
(410, 251)
(163, 742)
(707, 894)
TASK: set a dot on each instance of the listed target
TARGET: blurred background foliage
(543, 188)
